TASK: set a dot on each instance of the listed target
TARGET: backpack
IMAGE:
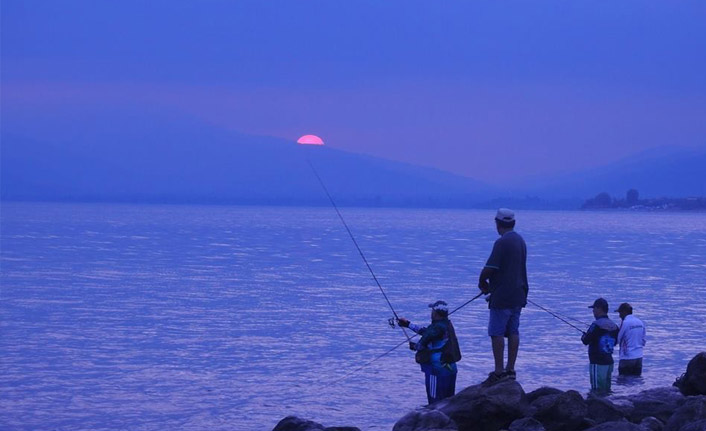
(451, 352)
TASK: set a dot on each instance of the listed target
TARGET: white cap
(439, 306)
(506, 215)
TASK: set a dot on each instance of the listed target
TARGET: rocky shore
(506, 406)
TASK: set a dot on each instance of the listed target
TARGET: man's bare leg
(498, 350)
(513, 345)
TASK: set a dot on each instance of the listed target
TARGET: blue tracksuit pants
(439, 387)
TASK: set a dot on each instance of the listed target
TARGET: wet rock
(602, 410)
(544, 390)
(693, 382)
(425, 419)
(588, 423)
(657, 402)
(694, 426)
(693, 410)
(492, 408)
(616, 426)
(542, 402)
(562, 412)
(526, 424)
(651, 424)
(624, 405)
(293, 423)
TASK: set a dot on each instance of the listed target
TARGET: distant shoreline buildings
(632, 201)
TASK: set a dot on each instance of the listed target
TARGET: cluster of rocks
(506, 406)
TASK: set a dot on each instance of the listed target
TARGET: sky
(497, 91)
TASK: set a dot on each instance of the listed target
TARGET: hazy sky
(493, 90)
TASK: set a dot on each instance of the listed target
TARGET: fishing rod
(466, 303)
(572, 318)
(362, 255)
(382, 355)
(557, 316)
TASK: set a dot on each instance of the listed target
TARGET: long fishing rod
(572, 318)
(382, 355)
(466, 303)
(340, 216)
(555, 315)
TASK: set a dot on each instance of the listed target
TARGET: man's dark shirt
(508, 285)
(600, 339)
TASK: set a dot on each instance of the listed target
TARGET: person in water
(631, 339)
(600, 338)
(504, 276)
(437, 352)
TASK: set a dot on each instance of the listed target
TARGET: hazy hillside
(162, 157)
(159, 158)
(662, 171)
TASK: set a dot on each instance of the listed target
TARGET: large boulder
(526, 424)
(651, 424)
(293, 423)
(693, 382)
(544, 390)
(657, 402)
(616, 426)
(542, 403)
(561, 412)
(602, 410)
(479, 408)
(624, 405)
(694, 426)
(424, 419)
(693, 410)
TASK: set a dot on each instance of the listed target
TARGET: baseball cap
(600, 303)
(624, 308)
(439, 306)
(505, 214)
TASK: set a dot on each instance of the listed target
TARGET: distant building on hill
(632, 201)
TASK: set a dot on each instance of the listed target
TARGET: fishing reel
(392, 322)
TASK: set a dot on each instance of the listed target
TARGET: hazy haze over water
(223, 318)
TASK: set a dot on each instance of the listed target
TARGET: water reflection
(158, 317)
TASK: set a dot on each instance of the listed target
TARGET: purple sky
(492, 90)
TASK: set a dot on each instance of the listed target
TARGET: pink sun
(310, 140)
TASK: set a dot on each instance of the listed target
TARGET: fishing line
(340, 216)
(382, 355)
(557, 316)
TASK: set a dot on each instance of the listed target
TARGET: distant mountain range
(151, 158)
(156, 157)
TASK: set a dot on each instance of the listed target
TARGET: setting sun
(310, 140)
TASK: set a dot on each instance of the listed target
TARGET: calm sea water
(230, 318)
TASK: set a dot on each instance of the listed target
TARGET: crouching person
(437, 352)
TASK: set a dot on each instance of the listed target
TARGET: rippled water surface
(230, 318)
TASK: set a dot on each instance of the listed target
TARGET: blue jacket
(434, 337)
(601, 337)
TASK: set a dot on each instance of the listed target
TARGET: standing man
(504, 276)
(631, 340)
(600, 338)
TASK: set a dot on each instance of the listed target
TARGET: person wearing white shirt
(631, 339)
